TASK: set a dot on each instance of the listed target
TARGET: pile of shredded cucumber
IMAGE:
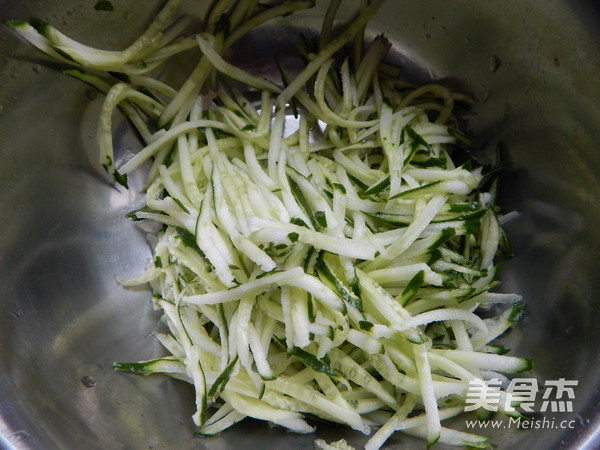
(320, 253)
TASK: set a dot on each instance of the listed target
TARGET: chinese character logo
(522, 393)
(557, 395)
(483, 394)
(563, 395)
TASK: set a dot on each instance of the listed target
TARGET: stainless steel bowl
(534, 68)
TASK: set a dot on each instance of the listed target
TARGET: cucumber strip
(169, 342)
(498, 325)
(211, 242)
(419, 422)
(197, 333)
(365, 342)
(174, 192)
(319, 401)
(38, 40)
(158, 365)
(381, 301)
(357, 169)
(416, 227)
(221, 380)
(443, 315)
(128, 109)
(433, 424)
(338, 245)
(315, 201)
(249, 406)
(326, 52)
(251, 288)
(192, 361)
(292, 277)
(350, 369)
(300, 316)
(221, 425)
(386, 430)
(331, 391)
(462, 338)
(327, 25)
(402, 274)
(207, 42)
(452, 368)
(259, 353)
(328, 275)
(242, 325)
(327, 115)
(451, 437)
(165, 139)
(490, 238)
(370, 63)
(221, 412)
(487, 361)
(311, 361)
(161, 55)
(457, 174)
(96, 58)
(413, 385)
(498, 297)
(189, 89)
(436, 89)
(279, 10)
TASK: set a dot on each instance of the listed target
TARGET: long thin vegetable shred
(320, 252)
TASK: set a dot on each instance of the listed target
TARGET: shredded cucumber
(334, 268)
